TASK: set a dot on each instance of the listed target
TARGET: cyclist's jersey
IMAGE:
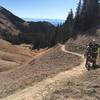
(89, 49)
(94, 48)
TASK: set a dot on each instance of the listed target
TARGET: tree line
(44, 34)
(86, 17)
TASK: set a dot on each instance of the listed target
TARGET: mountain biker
(92, 51)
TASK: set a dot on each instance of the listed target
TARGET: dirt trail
(43, 89)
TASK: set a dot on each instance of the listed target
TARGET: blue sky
(52, 9)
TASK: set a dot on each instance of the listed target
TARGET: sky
(51, 9)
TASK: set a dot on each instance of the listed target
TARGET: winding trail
(44, 88)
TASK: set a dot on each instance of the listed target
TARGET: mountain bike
(90, 62)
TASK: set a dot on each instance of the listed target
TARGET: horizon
(40, 9)
(44, 18)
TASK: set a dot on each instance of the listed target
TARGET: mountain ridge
(16, 30)
(53, 21)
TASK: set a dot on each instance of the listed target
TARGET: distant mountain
(52, 21)
(9, 23)
(17, 30)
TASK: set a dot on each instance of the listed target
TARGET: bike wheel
(88, 67)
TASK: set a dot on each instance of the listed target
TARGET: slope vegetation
(39, 68)
(74, 83)
(44, 88)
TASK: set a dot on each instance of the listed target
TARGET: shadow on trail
(96, 67)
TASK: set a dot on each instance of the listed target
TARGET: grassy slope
(12, 56)
(48, 65)
(86, 87)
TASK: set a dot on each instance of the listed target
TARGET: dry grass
(48, 65)
(11, 57)
(86, 87)
(6, 65)
(14, 55)
(81, 42)
(74, 47)
(22, 50)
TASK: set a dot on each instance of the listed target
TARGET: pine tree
(68, 26)
(89, 14)
(59, 36)
(77, 24)
(86, 15)
(79, 8)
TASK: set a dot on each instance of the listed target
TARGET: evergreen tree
(77, 20)
(68, 26)
(79, 8)
(89, 14)
(59, 37)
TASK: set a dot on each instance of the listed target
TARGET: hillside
(83, 87)
(17, 31)
(46, 65)
(10, 23)
(82, 41)
(55, 78)
(12, 56)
